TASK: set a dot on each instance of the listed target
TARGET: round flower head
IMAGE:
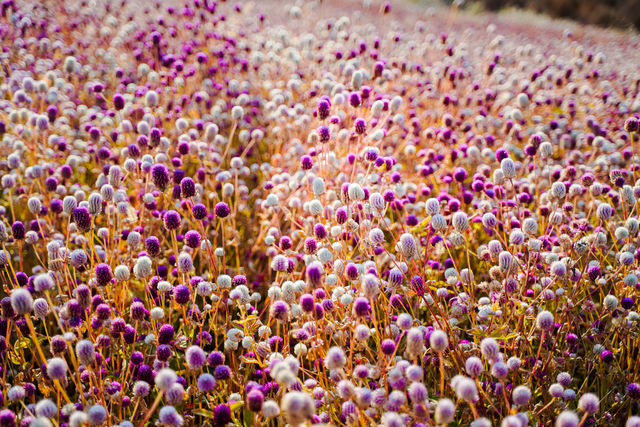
(97, 415)
(490, 348)
(335, 358)
(480, 422)
(141, 388)
(567, 419)
(57, 368)
(165, 378)
(171, 220)
(466, 389)
(40, 422)
(43, 282)
(460, 222)
(160, 176)
(438, 340)
(589, 403)
(195, 357)
(78, 419)
(417, 393)
(255, 399)
(521, 395)
(206, 383)
(508, 168)
(270, 409)
(221, 414)
(175, 395)
(185, 263)
(82, 218)
(168, 416)
(499, 369)
(474, 366)
(103, 274)
(121, 273)
(408, 245)
(445, 411)
(21, 301)
(415, 342)
(633, 421)
(222, 210)
(544, 321)
(297, 407)
(7, 418)
(40, 308)
(489, 220)
(85, 352)
(15, 393)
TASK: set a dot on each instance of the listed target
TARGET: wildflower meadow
(336, 212)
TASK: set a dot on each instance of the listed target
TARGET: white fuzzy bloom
(460, 222)
(432, 206)
(355, 192)
(438, 222)
(317, 186)
(121, 273)
(408, 245)
(143, 267)
(508, 168)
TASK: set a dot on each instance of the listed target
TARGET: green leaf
(236, 405)
(204, 413)
(23, 342)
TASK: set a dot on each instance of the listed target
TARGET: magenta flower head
(221, 415)
(82, 218)
(18, 230)
(222, 210)
(280, 311)
(192, 239)
(199, 211)
(306, 162)
(182, 294)
(152, 245)
(361, 307)
(324, 109)
(118, 101)
(255, 398)
(160, 176)
(314, 274)
(171, 220)
(103, 274)
(188, 187)
(7, 418)
(324, 133)
(632, 124)
(222, 372)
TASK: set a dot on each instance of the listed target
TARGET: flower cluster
(331, 213)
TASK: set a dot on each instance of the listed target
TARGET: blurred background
(622, 14)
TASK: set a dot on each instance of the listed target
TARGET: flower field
(316, 213)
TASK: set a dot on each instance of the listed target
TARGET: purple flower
(222, 372)
(221, 415)
(82, 218)
(103, 274)
(222, 210)
(171, 220)
(160, 176)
